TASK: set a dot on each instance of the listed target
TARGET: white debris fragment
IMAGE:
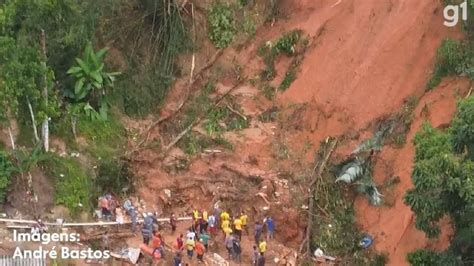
(167, 192)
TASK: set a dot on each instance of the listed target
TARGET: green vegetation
(290, 76)
(443, 176)
(450, 60)
(423, 257)
(73, 184)
(194, 143)
(462, 129)
(6, 171)
(92, 83)
(269, 52)
(249, 25)
(216, 120)
(38, 44)
(114, 175)
(222, 28)
(159, 35)
(243, 3)
(334, 229)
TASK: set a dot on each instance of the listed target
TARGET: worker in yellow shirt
(224, 226)
(227, 231)
(225, 216)
(196, 220)
(195, 214)
(262, 246)
(243, 218)
(238, 227)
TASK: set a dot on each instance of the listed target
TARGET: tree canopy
(443, 176)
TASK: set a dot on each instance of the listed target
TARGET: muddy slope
(364, 59)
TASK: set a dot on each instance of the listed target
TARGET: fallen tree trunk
(188, 88)
(316, 175)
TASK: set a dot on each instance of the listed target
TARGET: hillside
(256, 105)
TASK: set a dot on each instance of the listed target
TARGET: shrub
(73, 185)
(462, 129)
(221, 25)
(6, 171)
(422, 257)
(114, 175)
(290, 76)
(449, 61)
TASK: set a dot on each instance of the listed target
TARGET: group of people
(207, 226)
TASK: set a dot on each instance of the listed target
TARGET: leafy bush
(92, 83)
(286, 43)
(290, 76)
(444, 185)
(68, 26)
(269, 52)
(6, 171)
(73, 185)
(425, 257)
(114, 175)
(221, 25)
(151, 74)
(462, 129)
(450, 60)
(249, 25)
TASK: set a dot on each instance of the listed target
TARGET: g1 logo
(451, 14)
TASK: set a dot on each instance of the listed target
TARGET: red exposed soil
(364, 60)
(393, 226)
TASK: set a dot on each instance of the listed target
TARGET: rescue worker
(258, 232)
(204, 221)
(262, 246)
(157, 244)
(238, 228)
(204, 238)
(173, 221)
(229, 245)
(180, 242)
(255, 255)
(270, 227)
(130, 209)
(237, 250)
(104, 206)
(243, 218)
(211, 221)
(149, 223)
(200, 249)
(190, 245)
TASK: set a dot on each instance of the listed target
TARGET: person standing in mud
(200, 249)
(212, 223)
(261, 260)
(270, 227)
(204, 221)
(258, 232)
(173, 221)
(238, 228)
(229, 245)
(255, 255)
(217, 213)
(180, 242)
(243, 219)
(237, 250)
